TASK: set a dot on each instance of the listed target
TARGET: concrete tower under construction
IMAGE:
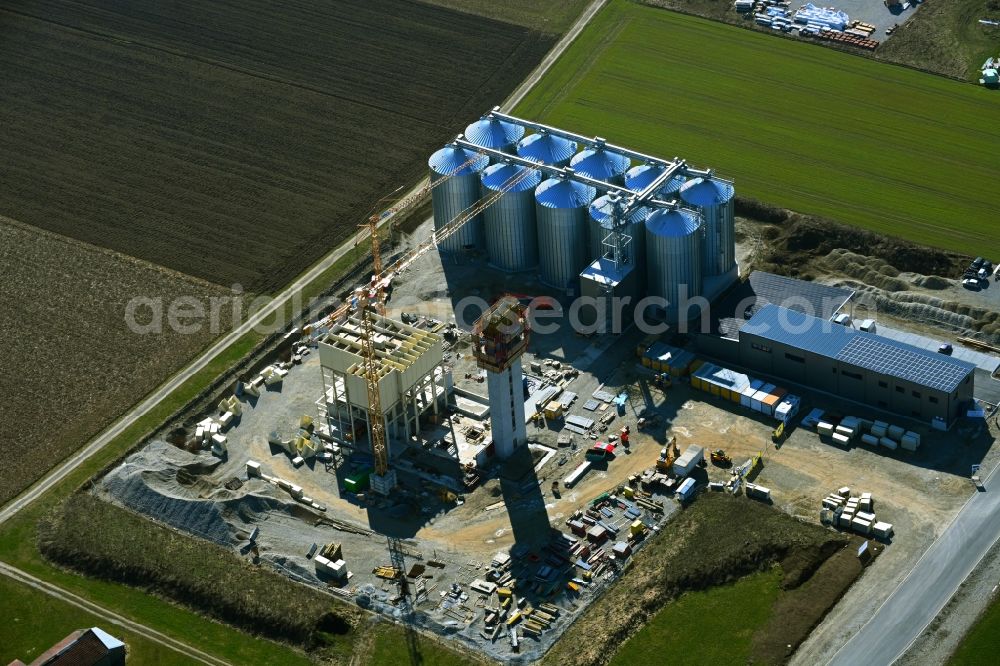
(499, 339)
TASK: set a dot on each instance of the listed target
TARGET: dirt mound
(869, 270)
(108, 542)
(931, 281)
(798, 240)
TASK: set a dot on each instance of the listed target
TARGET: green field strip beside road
(819, 131)
(981, 645)
(35, 621)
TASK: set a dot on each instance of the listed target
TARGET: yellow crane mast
(371, 304)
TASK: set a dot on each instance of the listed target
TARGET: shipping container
(577, 474)
(896, 432)
(746, 399)
(688, 460)
(686, 490)
(870, 440)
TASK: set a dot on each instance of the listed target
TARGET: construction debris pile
(809, 21)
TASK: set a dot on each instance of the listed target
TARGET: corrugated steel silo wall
(511, 236)
(451, 198)
(719, 249)
(562, 244)
(673, 262)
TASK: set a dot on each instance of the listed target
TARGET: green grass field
(391, 648)
(805, 127)
(982, 644)
(711, 627)
(36, 621)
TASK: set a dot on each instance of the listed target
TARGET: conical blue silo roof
(600, 164)
(495, 176)
(675, 223)
(546, 148)
(448, 160)
(602, 210)
(675, 183)
(493, 133)
(562, 193)
(706, 192)
(639, 177)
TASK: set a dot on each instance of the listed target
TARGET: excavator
(721, 459)
(668, 455)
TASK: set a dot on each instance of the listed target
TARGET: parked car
(971, 283)
(946, 349)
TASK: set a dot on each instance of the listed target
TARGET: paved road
(110, 617)
(936, 576)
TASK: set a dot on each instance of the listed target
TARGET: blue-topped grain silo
(673, 258)
(490, 132)
(561, 218)
(639, 178)
(547, 148)
(462, 168)
(509, 224)
(714, 199)
(601, 164)
(602, 222)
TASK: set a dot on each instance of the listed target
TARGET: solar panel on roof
(899, 360)
(864, 350)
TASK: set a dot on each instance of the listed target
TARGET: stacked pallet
(846, 38)
(856, 513)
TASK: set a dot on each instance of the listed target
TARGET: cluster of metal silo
(602, 222)
(673, 256)
(547, 149)
(463, 169)
(713, 198)
(601, 164)
(562, 230)
(559, 225)
(509, 224)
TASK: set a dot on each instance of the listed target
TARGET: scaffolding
(501, 335)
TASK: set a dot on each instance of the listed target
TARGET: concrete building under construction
(412, 379)
(499, 339)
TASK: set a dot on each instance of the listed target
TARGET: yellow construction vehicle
(387, 572)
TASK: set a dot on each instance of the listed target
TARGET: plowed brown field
(236, 140)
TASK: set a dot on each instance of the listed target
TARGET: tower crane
(370, 301)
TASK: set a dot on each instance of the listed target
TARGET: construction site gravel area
(450, 540)
(235, 141)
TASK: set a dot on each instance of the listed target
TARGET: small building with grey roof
(864, 367)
